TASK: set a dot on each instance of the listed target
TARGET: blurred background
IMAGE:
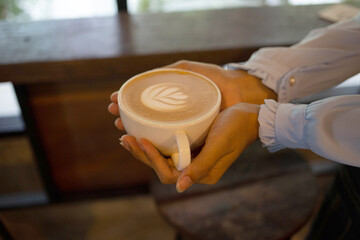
(35, 10)
(115, 196)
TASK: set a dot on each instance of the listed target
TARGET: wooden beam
(122, 5)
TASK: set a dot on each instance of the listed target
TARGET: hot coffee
(169, 96)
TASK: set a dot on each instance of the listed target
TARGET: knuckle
(210, 180)
(213, 181)
(165, 179)
(199, 172)
(182, 63)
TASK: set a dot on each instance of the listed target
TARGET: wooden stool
(262, 196)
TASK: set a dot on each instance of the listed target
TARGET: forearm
(323, 59)
(253, 90)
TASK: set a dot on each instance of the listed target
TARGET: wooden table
(115, 48)
(262, 196)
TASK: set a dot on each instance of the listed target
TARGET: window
(33, 10)
(141, 6)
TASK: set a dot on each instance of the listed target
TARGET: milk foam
(169, 96)
(164, 97)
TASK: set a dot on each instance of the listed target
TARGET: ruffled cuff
(282, 125)
(267, 119)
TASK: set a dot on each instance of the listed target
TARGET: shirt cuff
(282, 125)
(262, 65)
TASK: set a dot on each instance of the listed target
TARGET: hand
(235, 85)
(232, 131)
(234, 128)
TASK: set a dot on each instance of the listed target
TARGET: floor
(131, 217)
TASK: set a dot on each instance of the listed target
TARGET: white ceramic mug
(171, 139)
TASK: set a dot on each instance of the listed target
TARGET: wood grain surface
(120, 46)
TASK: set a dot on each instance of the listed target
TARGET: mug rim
(155, 123)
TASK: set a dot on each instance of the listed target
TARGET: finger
(164, 168)
(182, 64)
(224, 144)
(217, 147)
(199, 67)
(200, 169)
(113, 108)
(219, 169)
(114, 97)
(201, 165)
(130, 144)
(119, 125)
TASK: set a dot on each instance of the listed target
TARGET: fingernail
(183, 183)
(124, 143)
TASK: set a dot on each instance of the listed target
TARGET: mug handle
(182, 158)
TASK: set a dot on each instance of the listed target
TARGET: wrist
(254, 90)
(253, 128)
(249, 115)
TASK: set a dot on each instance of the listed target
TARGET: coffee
(169, 96)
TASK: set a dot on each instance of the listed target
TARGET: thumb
(199, 168)
(223, 145)
(213, 150)
(183, 182)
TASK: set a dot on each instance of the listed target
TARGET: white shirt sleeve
(329, 127)
(323, 59)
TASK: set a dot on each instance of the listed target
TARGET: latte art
(169, 96)
(164, 97)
